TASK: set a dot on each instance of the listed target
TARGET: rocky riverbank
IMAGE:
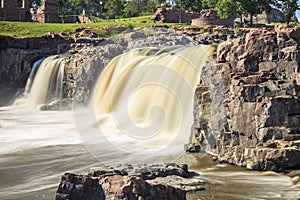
(247, 108)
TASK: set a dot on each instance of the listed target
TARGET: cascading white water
(138, 91)
(143, 102)
(46, 84)
(32, 74)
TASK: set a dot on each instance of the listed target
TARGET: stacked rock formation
(172, 15)
(247, 107)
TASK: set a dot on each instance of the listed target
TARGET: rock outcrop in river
(153, 182)
(247, 107)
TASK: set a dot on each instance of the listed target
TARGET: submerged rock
(247, 107)
(153, 182)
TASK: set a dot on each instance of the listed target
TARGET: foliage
(227, 8)
(114, 8)
(288, 7)
(194, 6)
(209, 3)
(132, 8)
(253, 7)
(237, 31)
(111, 8)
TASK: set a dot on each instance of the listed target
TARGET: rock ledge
(151, 182)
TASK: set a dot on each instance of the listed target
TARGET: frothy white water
(143, 103)
(37, 147)
(34, 69)
(47, 85)
(23, 129)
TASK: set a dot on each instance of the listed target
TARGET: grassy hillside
(31, 29)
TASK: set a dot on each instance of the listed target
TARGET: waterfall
(32, 74)
(143, 101)
(45, 83)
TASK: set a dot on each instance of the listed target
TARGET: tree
(227, 8)
(114, 8)
(206, 4)
(132, 9)
(288, 7)
(253, 7)
(190, 5)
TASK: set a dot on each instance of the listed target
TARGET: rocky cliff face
(247, 107)
(17, 57)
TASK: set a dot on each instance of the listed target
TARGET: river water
(141, 112)
(37, 147)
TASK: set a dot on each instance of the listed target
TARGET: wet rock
(85, 59)
(161, 181)
(247, 105)
(18, 54)
(147, 172)
(79, 187)
(89, 56)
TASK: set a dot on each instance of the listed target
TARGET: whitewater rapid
(141, 112)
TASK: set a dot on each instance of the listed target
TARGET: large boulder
(153, 182)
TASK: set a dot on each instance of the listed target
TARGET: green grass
(31, 29)
(291, 23)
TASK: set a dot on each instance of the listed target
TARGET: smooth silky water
(141, 112)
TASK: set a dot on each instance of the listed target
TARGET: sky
(298, 12)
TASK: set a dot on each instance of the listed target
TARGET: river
(141, 112)
(38, 147)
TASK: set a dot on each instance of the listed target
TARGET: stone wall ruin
(14, 10)
(48, 12)
(21, 11)
(211, 17)
(172, 15)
